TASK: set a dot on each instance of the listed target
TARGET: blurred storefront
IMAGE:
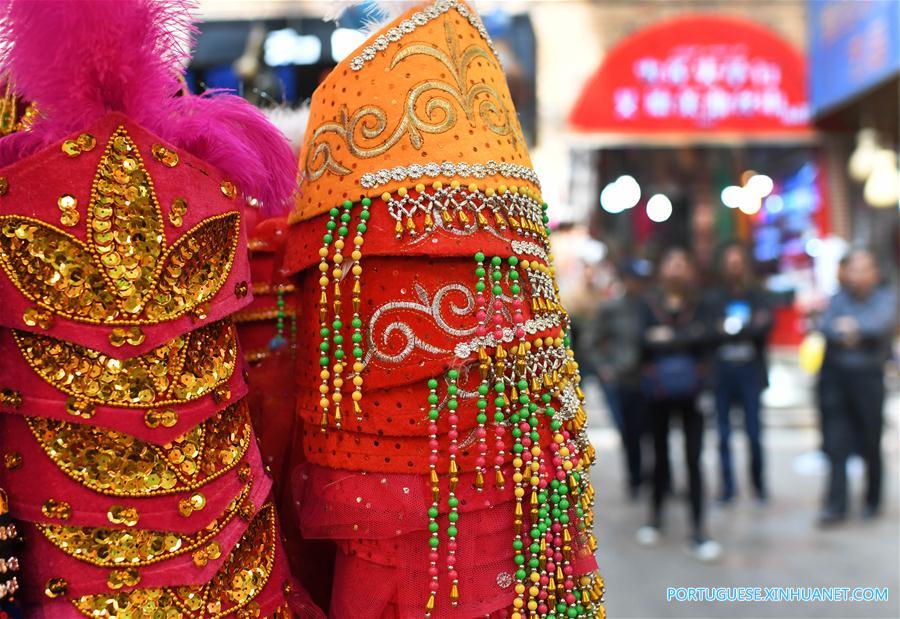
(697, 131)
(854, 59)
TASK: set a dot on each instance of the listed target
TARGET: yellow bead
(357, 396)
(517, 462)
(339, 244)
(518, 602)
(356, 254)
(420, 187)
(358, 381)
(356, 270)
(386, 196)
(323, 281)
(401, 191)
(535, 577)
(473, 187)
(336, 397)
(567, 465)
(323, 389)
(454, 184)
(323, 252)
(324, 402)
(532, 605)
(501, 189)
(535, 480)
(358, 366)
(519, 492)
(437, 184)
(517, 477)
(490, 192)
(337, 273)
(520, 588)
(358, 241)
(338, 258)
(323, 266)
(338, 382)
(324, 374)
(564, 451)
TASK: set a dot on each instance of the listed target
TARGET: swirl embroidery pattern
(431, 106)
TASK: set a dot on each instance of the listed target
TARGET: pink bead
(481, 330)
(561, 475)
(498, 319)
(517, 303)
(479, 298)
(557, 556)
(451, 545)
(556, 527)
(551, 566)
(498, 304)
(481, 433)
(452, 575)
(481, 315)
(479, 462)
(453, 419)
(432, 443)
(432, 428)
(451, 559)
(520, 333)
(453, 435)
(432, 459)
(433, 556)
(545, 580)
(542, 608)
(542, 483)
(433, 586)
(500, 430)
(498, 334)
(568, 570)
(499, 460)
(433, 571)
(570, 599)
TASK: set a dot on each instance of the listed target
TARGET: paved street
(775, 545)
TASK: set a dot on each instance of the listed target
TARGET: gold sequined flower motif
(117, 464)
(183, 369)
(126, 273)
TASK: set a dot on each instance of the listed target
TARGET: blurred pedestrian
(616, 349)
(858, 325)
(741, 321)
(674, 343)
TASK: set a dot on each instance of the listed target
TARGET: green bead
(483, 389)
(339, 354)
(481, 418)
(520, 575)
(347, 204)
(338, 339)
(356, 322)
(515, 289)
(433, 414)
(361, 228)
(342, 231)
(432, 383)
(452, 404)
(334, 212)
(433, 527)
(324, 346)
(512, 260)
(453, 516)
(481, 404)
(517, 544)
(479, 272)
(337, 324)
(345, 217)
(496, 260)
(324, 331)
(534, 563)
(328, 239)
(498, 417)
(535, 548)
(356, 337)
(434, 542)
(453, 374)
(519, 559)
(572, 612)
(517, 448)
(453, 501)
(522, 385)
(479, 257)
(564, 518)
(432, 398)
(452, 389)
(514, 275)
(357, 352)
(479, 286)
(546, 397)
(497, 290)
(324, 361)
(432, 512)
(366, 202)
(496, 276)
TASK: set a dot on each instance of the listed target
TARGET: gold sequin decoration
(104, 547)
(81, 144)
(234, 587)
(165, 156)
(123, 274)
(177, 211)
(12, 460)
(117, 464)
(56, 587)
(4, 185)
(181, 370)
(123, 515)
(128, 577)
(78, 407)
(58, 510)
(37, 317)
(10, 397)
(166, 418)
(229, 190)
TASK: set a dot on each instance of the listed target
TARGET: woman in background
(673, 346)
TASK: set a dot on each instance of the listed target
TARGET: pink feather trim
(78, 60)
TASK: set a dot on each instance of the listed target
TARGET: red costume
(443, 426)
(128, 451)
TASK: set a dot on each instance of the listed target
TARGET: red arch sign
(697, 74)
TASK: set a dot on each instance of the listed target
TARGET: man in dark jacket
(616, 353)
(858, 326)
(742, 320)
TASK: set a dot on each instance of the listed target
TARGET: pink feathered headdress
(78, 61)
